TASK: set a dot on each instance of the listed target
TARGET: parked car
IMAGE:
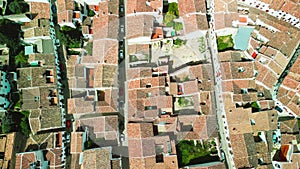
(121, 55)
(121, 44)
(57, 43)
(122, 28)
(53, 8)
(278, 109)
(61, 66)
(68, 124)
(122, 137)
(121, 8)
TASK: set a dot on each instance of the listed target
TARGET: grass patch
(89, 48)
(202, 46)
(225, 42)
(184, 102)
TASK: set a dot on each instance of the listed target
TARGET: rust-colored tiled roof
(239, 121)
(38, 9)
(239, 150)
(23, 160)
(139, 25)
(190, 87)
(65, 16)
(106, 51)
(135, 6)
(105, 26)
(54, 158)
(247, 66)
(289, 91)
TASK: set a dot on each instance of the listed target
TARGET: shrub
(183, 101)
(178, 26)
(169, 18)
(179, 42)
(91, 13)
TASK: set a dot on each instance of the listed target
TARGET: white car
(121, 55)
(57, 43)
(122, 28)
(122, 137)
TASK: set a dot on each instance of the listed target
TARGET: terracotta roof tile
(239, 121)
(190, 87)
(239, 150)
(143, 6)
(135, 148)
(270, 79)
(227, 86)
(248, 70)
(139, 25)
(38, 9)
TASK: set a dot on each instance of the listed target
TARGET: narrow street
(220, 108)
(62, 83)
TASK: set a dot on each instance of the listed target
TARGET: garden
(172, 14)
(225, 43)
(196, 151)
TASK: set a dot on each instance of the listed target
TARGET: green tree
(71, 37)
(6, 126)
(18, 7)
(91, 13)
(25, 128)
(21, 59)
(10, 34)
(173, 9)
(188, 151)
(169, 18)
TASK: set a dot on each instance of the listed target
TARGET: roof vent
(252, 122)
(241, 69)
